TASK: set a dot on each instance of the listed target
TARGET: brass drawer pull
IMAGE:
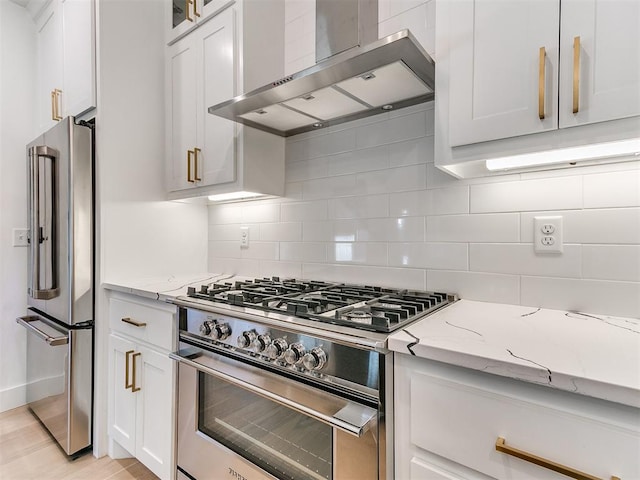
(541, 80)
(127, 367)
(133, 376)
(543, 462)
(576, 74)
(131, 321)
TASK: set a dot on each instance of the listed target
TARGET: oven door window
(281, 441)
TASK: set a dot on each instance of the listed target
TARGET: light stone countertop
(593, 355)
(167, 287)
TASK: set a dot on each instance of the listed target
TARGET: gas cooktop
(359, 306)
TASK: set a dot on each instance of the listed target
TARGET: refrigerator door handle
(52, 341)
(43, 279)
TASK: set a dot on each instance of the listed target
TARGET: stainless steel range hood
(360, 81)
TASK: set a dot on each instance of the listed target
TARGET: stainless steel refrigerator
(60, 314)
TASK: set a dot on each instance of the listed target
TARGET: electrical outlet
(547, 234)
(244, 237)
(20, 237)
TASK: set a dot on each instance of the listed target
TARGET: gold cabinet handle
(189, 153)
(576, 74)
(57, 95)
(195, 164)
(543, 462)
(131, 321)
(133, 374)
(53, 105)
(195, 8)
(186, 6)
(541, 80)
(127, 367)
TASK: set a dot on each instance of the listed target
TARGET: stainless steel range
(289, 379)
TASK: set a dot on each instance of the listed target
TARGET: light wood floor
(27, 451)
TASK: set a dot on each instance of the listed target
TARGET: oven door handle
(345, 415)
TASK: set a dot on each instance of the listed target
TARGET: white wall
(17, 51)
(139, 234)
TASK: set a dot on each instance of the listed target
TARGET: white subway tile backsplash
(486, 287)
(370, 206)
(591, 296)
(303, 251)
(224, 249)
(395, 129)
(410, 204)
(261, 251)
(280, 269)
(370, 275)
(258, 213)
(403, 229)
(401, 179)
(235, 266)
(332, 143)
(284, 232)
(522, 259)
(362, 253)
(304, 211)
(308, 169)
(498, 227)
(296, 8)
(341, 186)
(604, 226)
(547, 194)
(321, 231)
(225, 213)
(411, 152)
(364, 160)
(231, 232)
(617, 189)
(296, 151)
(611, 262)
(440, 256)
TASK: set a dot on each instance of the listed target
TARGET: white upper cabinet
(512, 76)
(235, 51)
(604, 71)
(66, 60)
(185, 15)
(495, 69)
(201, 68)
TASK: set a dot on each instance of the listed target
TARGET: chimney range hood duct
(351, 82)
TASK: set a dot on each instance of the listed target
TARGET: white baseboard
(13, 397)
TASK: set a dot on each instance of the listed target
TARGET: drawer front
(151, 322)
(462, 422)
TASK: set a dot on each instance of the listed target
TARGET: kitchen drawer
(156, 320)
(459, 414)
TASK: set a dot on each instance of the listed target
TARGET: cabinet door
(155, 378)
(495, 68)
(79, 57)
(180, 18)
(216, 75)
(49, 67)
(181, 115)
(608, 67)
(122, 408)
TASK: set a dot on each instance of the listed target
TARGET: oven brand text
(236, 475)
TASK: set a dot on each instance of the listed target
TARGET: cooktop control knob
(221, 331)
(246, 339)
(315, 359)
(262, 342)
(206, 327)
(276, 348)
(294, 353)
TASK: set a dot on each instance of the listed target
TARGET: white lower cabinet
(141, 384)
(449, 419)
